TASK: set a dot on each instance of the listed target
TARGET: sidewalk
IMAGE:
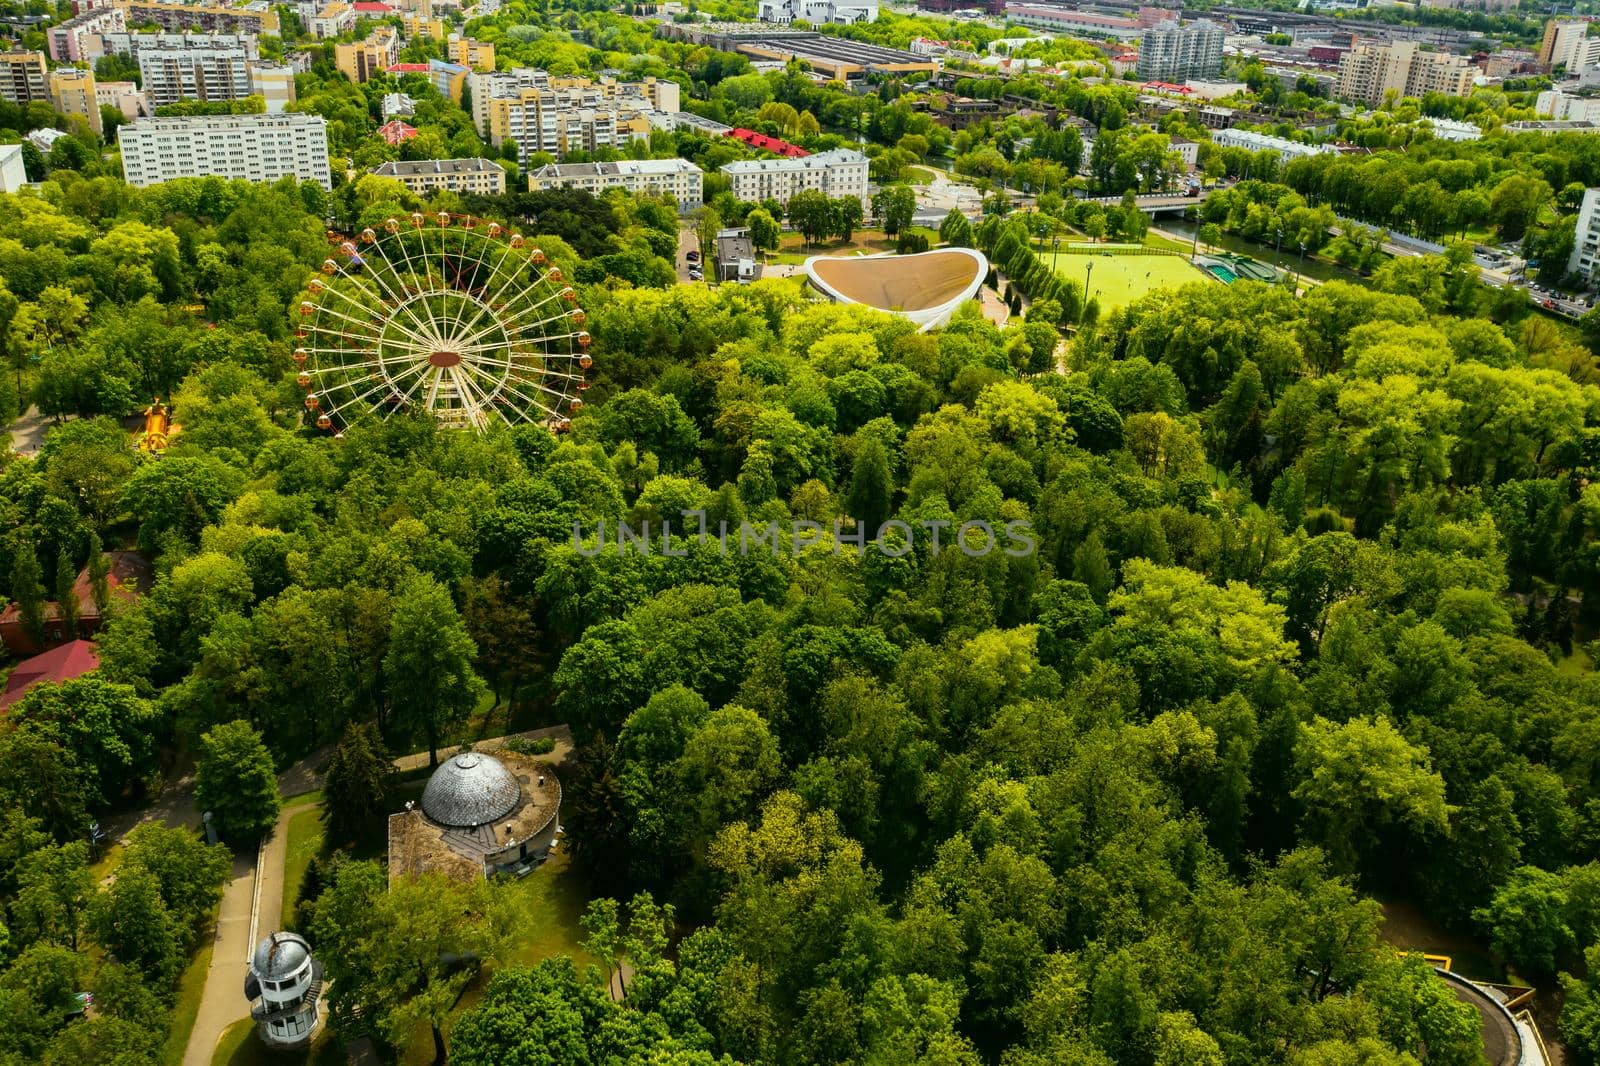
(223, 1003)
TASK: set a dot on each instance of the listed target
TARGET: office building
(1260, 142)
(678, 178)
(360, 61)
(250, 147)
(257, 17)
(23, 77)
(72, 94)
(1586, 240)
(840, 172)
(1369, 72)
(73, 41)
(1174, 53)
(484, 177)
(817, 12)
(13, 174)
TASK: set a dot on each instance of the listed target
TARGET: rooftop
(833, 158)
(70, 660)
(419, 841)
(407, 167)
(621, 166)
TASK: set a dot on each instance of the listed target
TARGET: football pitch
(1118, 280)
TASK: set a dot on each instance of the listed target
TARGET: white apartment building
(840, 172)
(13, 174)
(1170, 52)
(1448, 129)
(1586, 240)
(250, 147)
(207, 67)
(1567, 43)
(817, 12)
(1553, 103)
(422, 176)
(1262, 142)
(678, 178)
(511, 85)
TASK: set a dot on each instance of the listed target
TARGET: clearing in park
(1119, 278)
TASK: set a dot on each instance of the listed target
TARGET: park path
(252, 900)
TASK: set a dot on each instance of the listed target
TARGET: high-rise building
(219, 18)
(1561, 38)
(678, 178)
(1586, 240)
(72, 93)
(23, 77)
(422, 26)
(561, 115)
(361, 61)
(274, 83)
(475, 55)
(250, 147)
(1368, 72)
(207, 67)
(507, 85)
(13, 173)
(72, 41)
(836, 173)
(1170, 52)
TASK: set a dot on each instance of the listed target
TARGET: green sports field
(1118, 280)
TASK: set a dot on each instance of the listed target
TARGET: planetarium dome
(470, 790)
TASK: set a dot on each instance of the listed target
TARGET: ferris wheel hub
(444, 359)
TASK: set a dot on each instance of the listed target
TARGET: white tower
(288, 982)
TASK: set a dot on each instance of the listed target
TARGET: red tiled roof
(371, 7)
(73, 659)
(127, 573)
(407, 68)
(768, 144)
(394, 131)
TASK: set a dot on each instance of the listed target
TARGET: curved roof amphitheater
(926, 287)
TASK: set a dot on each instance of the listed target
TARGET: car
(697, 275)
(692, 256)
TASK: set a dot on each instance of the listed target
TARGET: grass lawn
(1118, 280)
(920, 175)
(186, 1006)
(303, 844)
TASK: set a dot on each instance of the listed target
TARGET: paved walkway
(222, 1003)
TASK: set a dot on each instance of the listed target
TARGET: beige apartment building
(254, 18)
(1368, 71)
(487, 88)
(72, 92)
(474, 55)
(23, 77)
(423, 26)
(422, 176)
(678, 178)
(361, 61)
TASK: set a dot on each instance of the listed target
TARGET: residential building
(817, 12)
(44, 138)
(1553, 103)
(397, 105)
(561, 115)
(72, 94)
(257, 17)
(1586, 239)
(423, 26)
(73, 41)
(1448, 129)
(128, 574)
(23, 77)
(488, 89)
(360, 61)
(1261, 142)
(1187, 150)
(13, 174)
(125, 96)
(251, 147)
(1070, 20)
(182, 66)
(775, 145)
(274, 83)
(1171, 52)
(484, 177)
(678, 178)
(449, 78)
(475, 55)
(836, 173)
(736, 257)
(1368, 72)
(677, 120)
(395, 132)
(1562, 38)
(331, 21)
(1548, 127)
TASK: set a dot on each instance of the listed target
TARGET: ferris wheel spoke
(481, 406)
(513, 322)
(509, 386)
(508, 255)
(391, 322)
(363, 396)
(392, 310)
(546, 371)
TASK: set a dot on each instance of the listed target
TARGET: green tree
(428, 667)
(131, 922)
(358, 784)
(67, 596)
(234, 780)
(54, 888)
(764, 230)
(871, 486)
(28, 591)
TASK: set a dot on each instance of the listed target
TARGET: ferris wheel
(448, 314)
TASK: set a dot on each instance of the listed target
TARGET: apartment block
(1261, 142)
(1368, 72)
(1170, 52)
(360, 61)
(1586, 240)
(475, 55)
(208, 67)
(73, 41)
(125, 96)
(23, 77)
(13, 174)
(72, 93)
(678, 178)
(1553, 103)
(484, 177)
(423, 26)
(257, 17)
(840, 172)
(331, 21)
(247, 147)
(649, 94)
(1563, 38)
(274, 83)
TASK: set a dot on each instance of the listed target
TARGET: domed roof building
(480, 814)
(288, 983)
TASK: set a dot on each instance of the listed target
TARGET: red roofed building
(127, 575)
(372, 7)
(1165, 87)
(407, 68)
(73, 659)
(394, 131)
(769, 144)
